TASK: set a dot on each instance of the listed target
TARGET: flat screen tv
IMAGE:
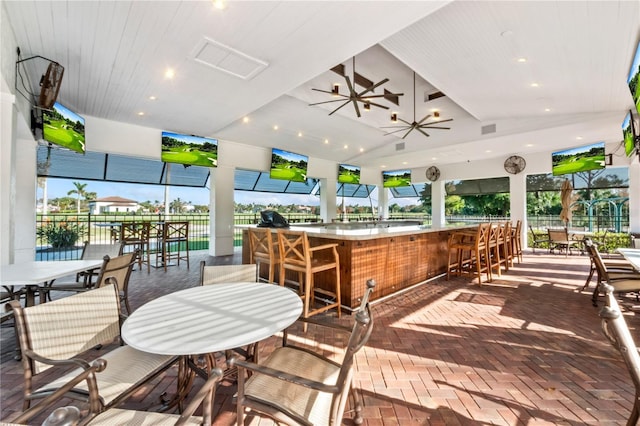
(632, 80)
(396, 178)
(348, 174)
(580, 159)
(629, 133)
(189, 150)
(63, 127)
(288, 166)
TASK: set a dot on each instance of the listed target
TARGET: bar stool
(470, 252)
(504, 245)
(263, 249)
(516, 241)
(296, 254)
(175, 242)
(136, 235)
(493, 250)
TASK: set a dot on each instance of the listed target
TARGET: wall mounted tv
(348, 174)
(629, 133)
(580, 159)
(288, 166)
(63, 127)
(396, 178)
(632, 80)
(189, 150)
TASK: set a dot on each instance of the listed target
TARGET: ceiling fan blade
(423, 132)
(345, 103)
(406, 134)
(355, 105)
(394, 127)
(424, 118)
(330, 92)
(332, 100)
(441, 121)
(352, 93)
(372, 88)
(395, 131)
(405, 122)
(427, 126)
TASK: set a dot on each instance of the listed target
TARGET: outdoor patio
(526, 349)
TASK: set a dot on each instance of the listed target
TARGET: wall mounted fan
(514, 164)
(416, 125)
(50, 85)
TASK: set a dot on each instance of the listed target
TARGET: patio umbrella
(565, 197)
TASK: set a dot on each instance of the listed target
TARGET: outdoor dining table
(33, 277)
(632, 255)
(197, 322)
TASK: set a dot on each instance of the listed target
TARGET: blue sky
(67, 113)
(57, 188)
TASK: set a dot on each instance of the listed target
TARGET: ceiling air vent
(226, 59)
(489, 128)
(400, 146)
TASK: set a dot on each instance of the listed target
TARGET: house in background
(113, 205)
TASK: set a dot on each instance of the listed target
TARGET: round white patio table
(206, 319)
(199, 321)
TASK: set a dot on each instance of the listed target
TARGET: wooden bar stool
(516, 241)
(297, 255)
(493, 250)
(263, 249)
(470, 253)
(136, 235)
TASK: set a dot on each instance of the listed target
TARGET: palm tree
(79, 191)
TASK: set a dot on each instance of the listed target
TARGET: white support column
(221, 211)
(634, 195)
(438, 218)
(383, 202)
(328, 198)
(24, 206)
(518, 202)
(7, 177)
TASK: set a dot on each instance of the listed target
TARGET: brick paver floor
(526, 349)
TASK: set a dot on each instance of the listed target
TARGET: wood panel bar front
(396, 257)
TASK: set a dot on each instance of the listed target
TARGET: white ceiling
(579, 52)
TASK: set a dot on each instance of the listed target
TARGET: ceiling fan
(416, 125)
(354, 96)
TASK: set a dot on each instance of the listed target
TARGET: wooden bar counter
(397, 257)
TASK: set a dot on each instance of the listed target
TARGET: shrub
(61, 235)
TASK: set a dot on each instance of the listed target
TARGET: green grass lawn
(60, 133)
(287, 172)
(579, 165)
(187, 155)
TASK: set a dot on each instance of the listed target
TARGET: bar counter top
(367, 233)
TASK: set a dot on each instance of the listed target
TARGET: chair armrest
(203, 397)
(281, 375)
(323, 247)
(96, 366)
(338, 327)
(58, 362)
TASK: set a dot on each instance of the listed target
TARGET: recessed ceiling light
(275, 127)
(404, 162)
(579, 138)
(529, 145)
(152, 98)
(361, 149)
(299, 134)
(547, 109)
(346, 146)
(326, 141)
(522, 60)
(245, 119)
(219, 4)
(434, 158)
(169, 73)
(141, 113)
(383, 166)
(488, 150)
(534, 85)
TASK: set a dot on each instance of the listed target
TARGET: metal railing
(60, 236)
